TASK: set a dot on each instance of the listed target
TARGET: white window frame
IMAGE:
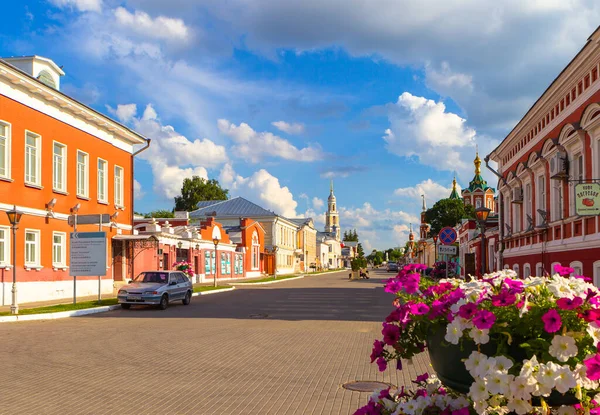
(63, 247)
(86, 173)
(526, 270)
(119, 190)
(556, 198)
(63, 170)
(255, 251)
(597, 273)
(6, 240)
(37, 263)
(104, 198)
(38, 159)
(577, 267)
(539, 269)
(516, 217)
(7, 150)
(515, 268)
(540, 198)
(528, 201)
(578, 174)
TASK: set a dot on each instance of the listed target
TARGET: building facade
(57, 158)
(555, 146)
(307, 243)
(478, 193)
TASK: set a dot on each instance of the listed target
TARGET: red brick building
(554, 146)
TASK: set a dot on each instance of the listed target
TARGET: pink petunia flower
(419, 309)
(382, 364)
(422, 378)
(593, 367)
(391, 333)
(461, 411)
(552, 321)
(377, 350)
(467, 310)
(569, 304)
(563, 271)
(504, 299)
(484, 319)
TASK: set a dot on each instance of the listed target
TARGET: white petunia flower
(454, 332)
(478, 391)
(459, 403)
(520, 406)
(566, 410)
(503, 363)
(522, 387)
(563, 347)
(565, 379)
(529, 367)
(408, 407)
(498, 383)
(547, 374)
(489, 367)
(480, 407)
(475, 362)
(479, 336)
(594, 331)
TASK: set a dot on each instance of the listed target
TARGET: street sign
(94, 219)
(447, 250)
(447, 235)
(587, 199)
(87, 252)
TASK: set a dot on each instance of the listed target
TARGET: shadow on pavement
(360, 300)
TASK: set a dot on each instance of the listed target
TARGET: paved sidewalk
(277, 349)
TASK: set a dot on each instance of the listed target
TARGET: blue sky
(275, 98)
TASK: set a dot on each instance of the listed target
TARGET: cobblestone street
(280, 349)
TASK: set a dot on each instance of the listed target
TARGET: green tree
(360, 251)
(448, 212)
(197, 189)
(160, 213)
(351, 236)
(345, 238)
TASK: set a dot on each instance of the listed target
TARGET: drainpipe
(133, 193)
(500, 211)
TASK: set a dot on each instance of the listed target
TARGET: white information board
(87, 251)
(447, 249)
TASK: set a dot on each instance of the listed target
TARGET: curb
(60, 314)
(267, 282)
(324, 273)
(85, 311)
(222, 290)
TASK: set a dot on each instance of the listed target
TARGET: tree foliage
(376, 257)
(197, 189)
(448, 212)
(350, 236)
(160, 213)
(360, 251)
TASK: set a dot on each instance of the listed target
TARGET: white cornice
(28, 91)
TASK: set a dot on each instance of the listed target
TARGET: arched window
(539, 270)
(551, 271)
(516, 268)
(255, 251)
(526, 270)
(577, 268)
(46, 78)
(597, 273)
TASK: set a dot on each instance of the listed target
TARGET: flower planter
(448, 362)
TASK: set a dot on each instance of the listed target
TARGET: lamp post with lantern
(14, 217)
(216, 242)
(482, 214)
(275, 249)
(435, 238)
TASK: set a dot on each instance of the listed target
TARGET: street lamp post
(216, 242)
(435, 238)
(275, 249)
(14, 217)
(482, 214)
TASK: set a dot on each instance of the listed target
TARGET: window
(82, 174)
(578, 175)
(209, 262)
(102, 180)
(182, 278)
(59, 167)
(539, 270)
(527, 202)
(4, 150)
(225, 263)
(526, 270)
(557, 200)
(516, 268)
(597, 273)
(541, 198)
(32, 248)
(516, 217)
(577, 268)
(58, 249)
(4, 245)
(33, 144)
(477, 203)
(119, 186)
(255, 251)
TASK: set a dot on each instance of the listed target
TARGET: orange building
(58, 157)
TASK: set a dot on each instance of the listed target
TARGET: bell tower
(332, 217)
(424, 229)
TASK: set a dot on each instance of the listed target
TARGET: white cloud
(161, 27)
(293, 128)
(317, 203)
(124, 112)
(81, 5)
(253, 146)
(168, 179)
(433, 192)
(445, 81)
(262, 188)
(138, 193)
(424, 129)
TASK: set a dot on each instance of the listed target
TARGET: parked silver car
(156, 288)
(392, 267)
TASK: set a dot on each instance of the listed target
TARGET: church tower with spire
(332, 217)
(424, 229)
(479, 194)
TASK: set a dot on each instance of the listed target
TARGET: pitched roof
(236, 207)
(205, 203)
(300, 221)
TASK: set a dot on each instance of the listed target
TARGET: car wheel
(187, 298)
(125, 306)
(164, 302)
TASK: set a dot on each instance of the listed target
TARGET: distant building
(478, 193)
(332, 217)
(307, 243)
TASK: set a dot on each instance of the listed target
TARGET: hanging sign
(587, 199)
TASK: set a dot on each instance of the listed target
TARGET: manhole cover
(365, 385)
(259, 315)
